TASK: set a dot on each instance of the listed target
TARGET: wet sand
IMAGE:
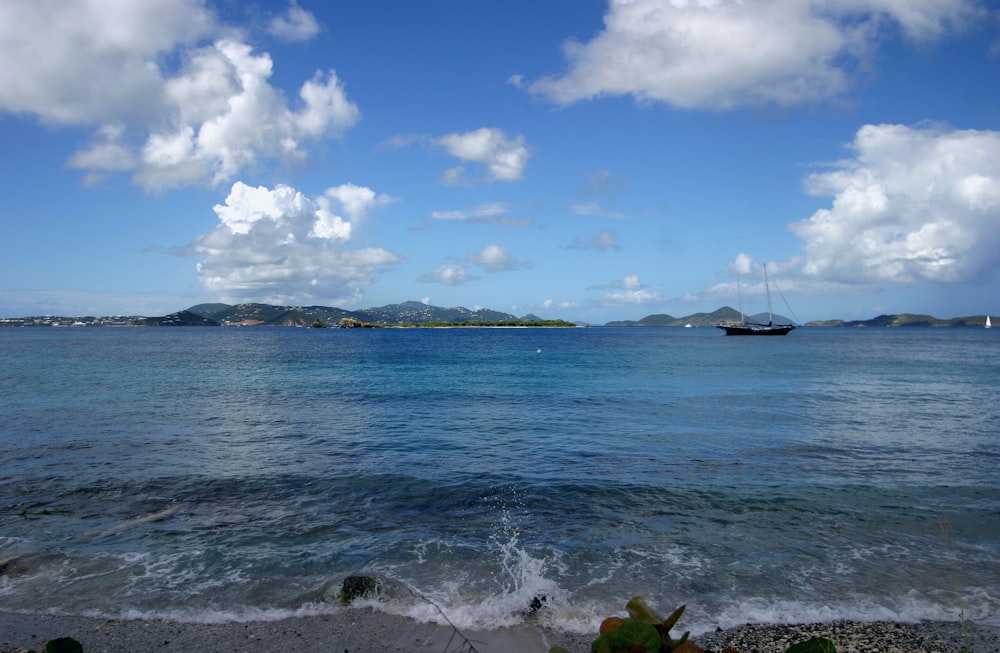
(362, 630)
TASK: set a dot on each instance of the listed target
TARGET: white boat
(988, 325)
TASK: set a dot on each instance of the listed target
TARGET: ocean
(220, 474)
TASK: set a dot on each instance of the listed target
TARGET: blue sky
(575, 159)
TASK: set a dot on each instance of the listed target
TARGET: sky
(585, 160)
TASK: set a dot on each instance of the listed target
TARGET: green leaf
(671, 621)
(630, 634)
(813, 645)
(639, 611)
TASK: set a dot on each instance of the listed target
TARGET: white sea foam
(523, 587)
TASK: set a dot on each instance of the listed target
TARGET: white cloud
(504, 158)
(629, 291)
(919, 19)
(487, 213)
(605, 240)
(456, 177)
(88, 62)
(104, 65)
(593, 209)
(296, 25)
(602, 183)
(723, 53)
(107, 154)
(495, 258)
(280, 246)
(356, 201)
(549, 305)
(449, 274)
(224, 117)
(915, 204)
(742, 266)
(602, 242)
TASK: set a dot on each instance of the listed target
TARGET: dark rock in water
(358, 587)
(537, 603)
(63, 645)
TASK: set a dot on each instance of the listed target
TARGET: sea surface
(218, 474)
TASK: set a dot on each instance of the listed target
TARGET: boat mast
(739, 293)
(767, 287)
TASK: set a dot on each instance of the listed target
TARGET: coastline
(359, 630)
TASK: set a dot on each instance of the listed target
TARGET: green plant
(632, 635)
(645, 631)
(813, 645)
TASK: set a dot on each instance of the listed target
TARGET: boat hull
(747, 329)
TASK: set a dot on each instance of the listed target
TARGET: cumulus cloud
(280, 246)
(104, 65)
(629, 291)
(224, 117)
(503, 158)
(495, 258)
(296, 25)
(81, 63)
(449, 274)
(742, 266)
(723, 53)
(914, 204)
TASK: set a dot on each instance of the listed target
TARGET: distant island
(415, 314)
(726, 314)
(397, 315)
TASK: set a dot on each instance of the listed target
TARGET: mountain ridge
(411, 312)
(414, 312)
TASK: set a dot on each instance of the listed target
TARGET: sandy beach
(355, 631)
(350, 631)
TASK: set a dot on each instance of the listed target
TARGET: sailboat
(745, 328)
(988, 325)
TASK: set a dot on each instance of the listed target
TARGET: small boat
(745, 328)
(988, 325)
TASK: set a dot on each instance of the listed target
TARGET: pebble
(856, 637)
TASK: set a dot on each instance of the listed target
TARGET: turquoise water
(218, 474)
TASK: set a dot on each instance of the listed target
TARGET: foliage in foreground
(644, 631)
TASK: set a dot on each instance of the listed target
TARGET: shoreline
(363, 629)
